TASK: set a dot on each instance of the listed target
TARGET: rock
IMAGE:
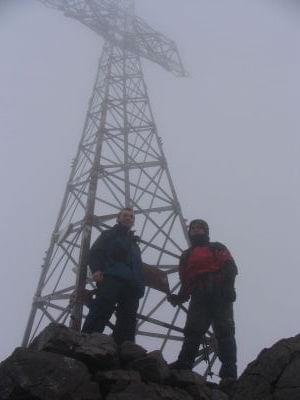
(130, 352)
(228, 386)
(116, 380)
(99, 351)
(288, 385)
(183, 378)
(198, 392)
(63, 364)
(191, 382)
(218, 395)
(139, 391)
(152, 391)
(152, 367)
(166, 392)
(275, 374)
(57, 338)
(96, 350)
(38, 375)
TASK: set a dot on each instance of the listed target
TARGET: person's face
(197, 229)
(126, 218)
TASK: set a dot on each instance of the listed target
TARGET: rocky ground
(62, 364)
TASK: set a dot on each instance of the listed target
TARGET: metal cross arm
(157, 48)
(109, 20)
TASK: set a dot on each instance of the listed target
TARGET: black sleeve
(184, 256)
(182, 263)
(229, 269)
(97, 254)
(229, 272)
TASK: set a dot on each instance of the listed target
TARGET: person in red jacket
(207, 272)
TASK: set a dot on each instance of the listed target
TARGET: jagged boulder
(183, 378)
(38, 375)
(217, 394)
(130, 352)
(191, 382)
(116, 380)
(152, 367)
(96, 350)
(274, 375)
(150, 391)
(62, 364)
(198, 392)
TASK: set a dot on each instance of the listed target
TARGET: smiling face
(126, 218)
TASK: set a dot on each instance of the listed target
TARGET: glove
(176, 299)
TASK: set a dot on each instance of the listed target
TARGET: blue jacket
(116, 253)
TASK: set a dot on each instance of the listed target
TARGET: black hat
(203, 223)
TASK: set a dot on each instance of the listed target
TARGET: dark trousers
(114, 292)
(205, 310)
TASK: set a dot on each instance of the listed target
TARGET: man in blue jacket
(116, 264)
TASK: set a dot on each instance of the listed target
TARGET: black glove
(177, 299)
(174, 299)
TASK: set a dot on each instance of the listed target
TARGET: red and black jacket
(201, 264)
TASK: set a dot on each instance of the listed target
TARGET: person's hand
(174, 299)
(98, 276)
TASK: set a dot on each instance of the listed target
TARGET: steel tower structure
(119, 162)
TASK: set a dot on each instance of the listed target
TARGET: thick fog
(230, 132)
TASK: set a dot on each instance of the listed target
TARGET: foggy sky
(230, 132)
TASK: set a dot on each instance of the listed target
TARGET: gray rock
(275, 374)
(218, 395)
(152, 367)
(183, 378)
(166, 392)
(198, 392)
(150, 391)
(290, 377)
(28, 374)
(288, 385)
(130, 352)
(191, 382)
(287, 394)
(116, 380)
(228, 386)
(139, 391)
(96, 350)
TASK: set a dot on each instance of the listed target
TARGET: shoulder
(221, 251)
(135, 238)
(186, 252)
(107, 234)
(217, 246)
(104, 236)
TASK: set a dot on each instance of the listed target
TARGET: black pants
(114, 292)
(205, 310)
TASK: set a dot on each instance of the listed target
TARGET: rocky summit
(62, 364)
